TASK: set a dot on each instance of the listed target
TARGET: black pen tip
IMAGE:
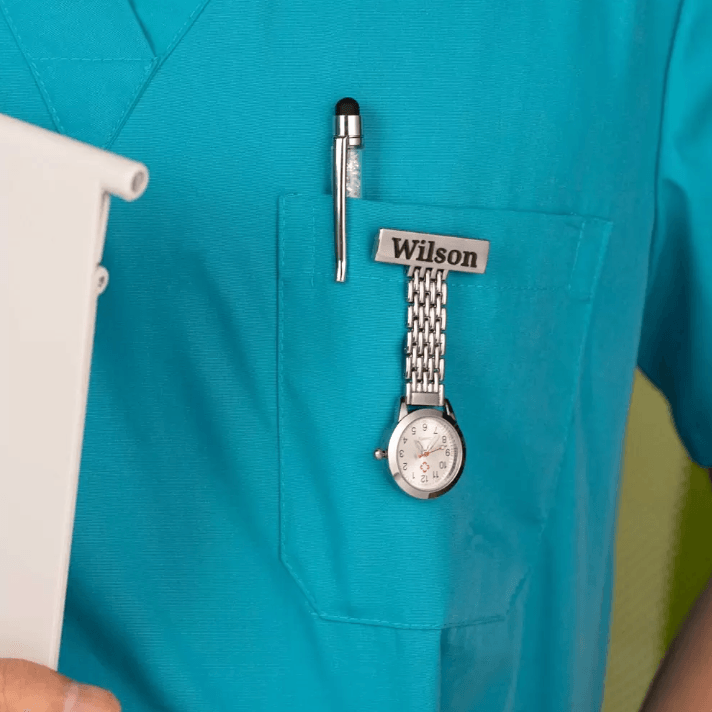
(347, 107)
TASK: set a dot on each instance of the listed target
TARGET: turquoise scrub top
(237, 546)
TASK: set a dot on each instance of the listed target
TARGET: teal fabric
(676, 344)
(236, 545)
(545, 269)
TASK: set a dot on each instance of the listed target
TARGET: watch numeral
(443, 465)
(412, 430)
(447, 453)
(425, 426)
(444, 439)
(424, 478)
(405, 440)
(400, 453)
(405, 465)
(435, 432)
(436, 475)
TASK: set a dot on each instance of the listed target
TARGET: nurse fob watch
(426, 450)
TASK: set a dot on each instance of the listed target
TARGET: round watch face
(428, 455)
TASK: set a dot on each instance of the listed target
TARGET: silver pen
(346, 172)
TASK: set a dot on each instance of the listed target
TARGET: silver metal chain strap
(425, 347)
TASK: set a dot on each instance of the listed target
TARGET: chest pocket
(358, 547)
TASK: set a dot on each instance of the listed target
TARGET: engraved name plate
(421, 249)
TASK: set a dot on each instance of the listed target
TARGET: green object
(692, 562)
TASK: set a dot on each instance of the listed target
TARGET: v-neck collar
(91, 61)
(164, 22)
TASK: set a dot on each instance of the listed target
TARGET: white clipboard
(54, 207)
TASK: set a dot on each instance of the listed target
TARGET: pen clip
(339, 169)
(347, 134)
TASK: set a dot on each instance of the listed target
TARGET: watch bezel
(407, 420)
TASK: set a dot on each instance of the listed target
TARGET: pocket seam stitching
(605, 230)
(416, 626)
(283, 208)
(456, 287)
(576, 254)
(603, 248)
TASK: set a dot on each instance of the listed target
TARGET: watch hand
(420, 448)
(432, 451)
(431, 443)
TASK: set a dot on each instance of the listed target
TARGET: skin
(36, 688)
(683, 682)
